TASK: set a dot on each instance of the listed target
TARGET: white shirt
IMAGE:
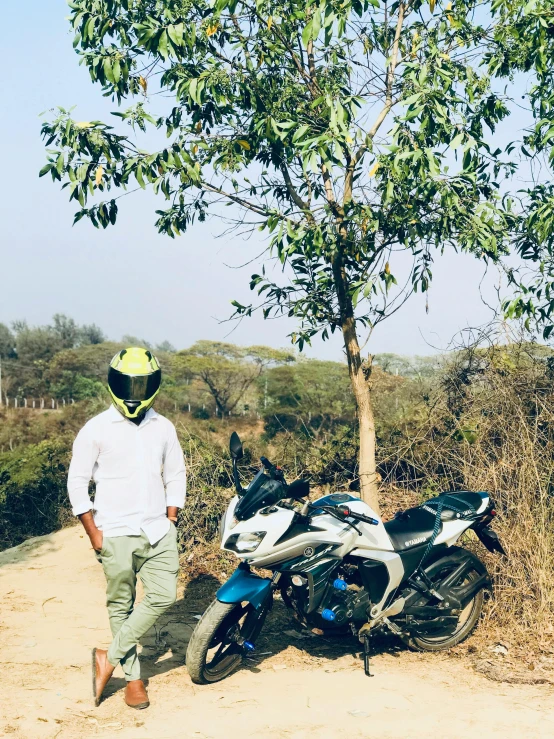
(126, 461)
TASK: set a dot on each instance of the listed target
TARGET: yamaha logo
(308, 551)
(419, 540)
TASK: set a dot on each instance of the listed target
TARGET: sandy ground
(52, 614)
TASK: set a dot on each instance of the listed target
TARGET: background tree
(66, 330)
(413, 367)
(37, 344)
(7, 342)
(308, 396)
(226, 370)
(91, 334)
(357, 135)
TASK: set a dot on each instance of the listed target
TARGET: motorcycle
(340, 568)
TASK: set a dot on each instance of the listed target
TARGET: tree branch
(294, 194)
(349, 177)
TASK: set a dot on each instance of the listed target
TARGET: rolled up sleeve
(85, 454)
(175, 476)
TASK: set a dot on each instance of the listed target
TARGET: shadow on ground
(30, 550)
(164, 647)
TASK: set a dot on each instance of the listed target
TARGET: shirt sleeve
(175, 476)
(85, 454)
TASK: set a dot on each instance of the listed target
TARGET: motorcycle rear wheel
(213, 652)
(469, 618)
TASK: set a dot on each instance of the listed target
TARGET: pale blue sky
(128, 279)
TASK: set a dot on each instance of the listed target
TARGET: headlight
(246, 542)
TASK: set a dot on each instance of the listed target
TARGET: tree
(129, 340)
(226, 370)
(7, 343)
(525, 43)
(354, 134)
(36, 344)
(411, 367)
(90, 361)
(166, 346)
(311, 395)
(91, 334)
(66, 330)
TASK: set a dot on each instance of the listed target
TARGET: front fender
(244, 585)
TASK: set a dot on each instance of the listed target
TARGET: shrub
(490, 427)
(33, 498)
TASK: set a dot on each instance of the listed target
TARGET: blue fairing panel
(244, 585)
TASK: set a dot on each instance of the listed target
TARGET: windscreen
(262, 492)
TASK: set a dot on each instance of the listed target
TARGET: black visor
(134, 387)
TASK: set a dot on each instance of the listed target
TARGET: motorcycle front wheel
(215, 647)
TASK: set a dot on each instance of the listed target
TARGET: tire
(212, 632)
(469, 618)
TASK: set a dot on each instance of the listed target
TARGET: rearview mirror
(298, 489)
(235, 446)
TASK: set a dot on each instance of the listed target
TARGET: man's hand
(93, 532)
(172, 512)
(96, 540)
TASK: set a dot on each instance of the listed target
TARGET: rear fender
(244, 585)
(489, 538)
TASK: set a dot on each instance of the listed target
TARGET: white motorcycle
(340, 568)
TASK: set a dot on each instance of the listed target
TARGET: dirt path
(52, 614)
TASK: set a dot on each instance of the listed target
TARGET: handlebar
(342, 511)
(266, 463)
(348, 513)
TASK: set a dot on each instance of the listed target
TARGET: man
(132, 527)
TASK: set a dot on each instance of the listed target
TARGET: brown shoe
(102, 670)
(136, 695)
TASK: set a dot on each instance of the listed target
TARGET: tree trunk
(367, 469)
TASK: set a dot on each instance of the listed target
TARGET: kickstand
(366, 656)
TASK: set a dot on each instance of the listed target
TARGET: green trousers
(123, 558)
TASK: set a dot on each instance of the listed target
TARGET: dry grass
(491, 427)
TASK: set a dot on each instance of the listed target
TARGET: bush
(33, 498)
(490, 427)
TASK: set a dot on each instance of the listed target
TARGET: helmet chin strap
(132, 406)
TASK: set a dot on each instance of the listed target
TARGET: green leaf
(108, 71)
(316, 23)
(457, 141)
(116, 67)
(176, 34)
(162, 46)
(307, 33)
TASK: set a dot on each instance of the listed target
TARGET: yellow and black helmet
(134, 381)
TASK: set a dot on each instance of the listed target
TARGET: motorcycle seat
(459, 504)
(414, 526)
(411, 528)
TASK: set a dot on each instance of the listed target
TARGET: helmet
(134, 381)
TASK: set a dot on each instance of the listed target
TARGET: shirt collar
(116, 416)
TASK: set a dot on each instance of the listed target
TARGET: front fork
(255, 620)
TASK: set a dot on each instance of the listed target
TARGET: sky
(129, 279)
